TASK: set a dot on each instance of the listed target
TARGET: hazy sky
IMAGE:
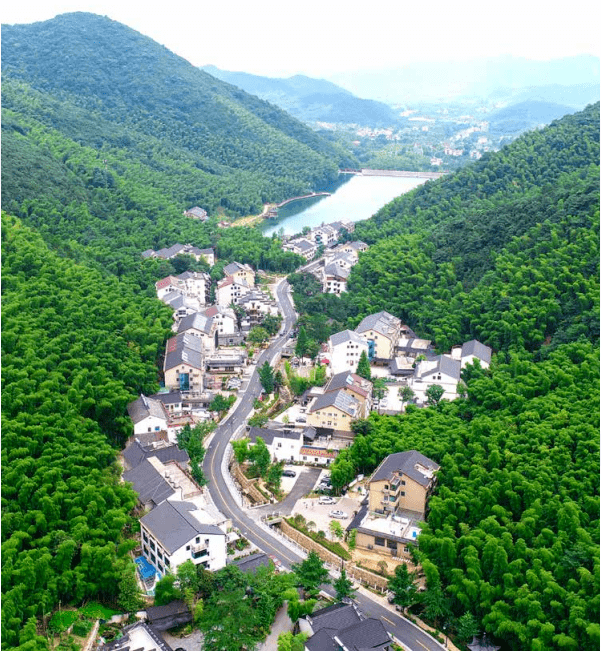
(320, 37)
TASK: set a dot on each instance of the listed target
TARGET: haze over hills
(312, 100)
(430, 81)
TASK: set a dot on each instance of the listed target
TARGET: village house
(199, 325)
(302, 247)
(240, 273)
(342, 626)
(324, 235)
(382, 331)
(470, 351)
(318, 455)
(226, 325)
(180, 249)
(334, 410)
(439, 370)
(173, 533)
(197, 213)
(334, 278)
(344, 350)
(197, 284)
(257, 305)
(356, 386)
(229, 291)
(169, 284)
(283, 445)
(148, 415)
(138, 636)
(184, 363)
(181, 304)
(137, 451)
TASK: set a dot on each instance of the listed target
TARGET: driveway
(305, 481)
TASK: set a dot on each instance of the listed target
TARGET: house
(437, 370)
(169, 615)
(169, 284)
(151, 487)
(184, 363)
(470, 351)
(324, 235)
(317, 455)
(382, 331)
(251, 563)
(334, 410)
(282, 444)
(229, 291)
(355, 386)
(176, 250)
(342, 626)
(172, 534)
(148, 415)
(226, 325)
(257, 305)
(335, 278)
(197, 213)
(136, 452)
(226, 362)
(240, 272)
(197, 284)
(344, 351)
(302, 247)
(181, 304)
(413, 346)
(402, 481)
(139, 636)
(199, 325)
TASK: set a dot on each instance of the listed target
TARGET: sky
(279, 38)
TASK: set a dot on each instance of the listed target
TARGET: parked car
(287, 473)
(326, 500)
(336, 513)
(301, 419)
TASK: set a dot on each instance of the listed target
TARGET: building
(318, 455)
(197, 213)
(199, 325)
(470, 351)
(283, 445)
(181, 304)
(148, 415)
(302, 247)
(184, 363)
(335, 409)
(382, 331)
(197, 284)
(179, 249)
(226, 325)
(229, 291)
(137, 451)
(335, 278)
(439, 370)
(257, 305)
(355, 386)
(344, 351)
(324, 235)
(169, 284)
(169, 615)
(172, 534)
(139, 636)
(342, 626)
(402, 481)
(240, 273)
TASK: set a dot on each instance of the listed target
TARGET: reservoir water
(353, 198)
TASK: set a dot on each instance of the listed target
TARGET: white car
(336, 513)
(327, 500)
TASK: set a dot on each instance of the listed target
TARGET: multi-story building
(344, 351)
(382, 331)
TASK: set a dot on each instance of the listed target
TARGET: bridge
(366, 172)
(311, 194)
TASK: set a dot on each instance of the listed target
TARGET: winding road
(411, 636)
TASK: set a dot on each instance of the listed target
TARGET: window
(144, 536)
(386, 486)
(403, 482)
(380, 541)
(152, 546)
(402, 493)
(167, 562)
(391, 544)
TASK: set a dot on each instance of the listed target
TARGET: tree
(274, 475)
(311, 573)
(240, 448)
(436, 606)
(289, 641)
(220, 403)
(379, 388)
(343, 586)
(260, 458)
(467, 627)
(165, 590)
(302, 343)
(363, 366)
(351, 540)
(336, 529)
(434, 394)
(406, 394)
(257, 335)
(266, 377)
(272, 323)
(130, 599)
(403, 586)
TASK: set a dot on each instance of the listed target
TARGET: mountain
(525, 115)
(311, 100)
(429, 81)
(103, 85)
(576, 96)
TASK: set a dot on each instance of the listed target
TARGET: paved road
(411, 636)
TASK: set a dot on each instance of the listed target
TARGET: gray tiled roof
(148, 483)
(168, 398)
(251, 563)
(322, 641)
(197, 321)
(337, 616)
(369, 634)
(340, 399)
(135, 453)
(477, 349)
(381, 322)
(445, 365)
(334, 269)
(184, 276)
(144, 407)
(173, 524)
(268, 435)
(174, 299)
(405, 462)
(184, 348)
(347, 379)
(169, 252)
(347, 336)
(234, 267)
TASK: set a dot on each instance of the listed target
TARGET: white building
(344, 351)
(335, 278)
(197, 284)
(201, 326)
(229, 291)
(172, 534)
(282, 444)
(148, 415)
(470, 351)
(440, 370)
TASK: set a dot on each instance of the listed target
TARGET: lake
(353, 198)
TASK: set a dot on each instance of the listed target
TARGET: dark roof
(123, 643)
(381, 322)
(369, 634)
(169, 615)
(477, 349)
(184, 348)
(337, 616)
(174, 526)
(148, 483)
(322, 641)
(334, 269)
(252, 562)
(268, 435)
(135, 453)
(445, 365)
(409, 463)
(358, 518)
(340, 399)
(347, 379)
(168, 398)
(197, 321)
(144, 407)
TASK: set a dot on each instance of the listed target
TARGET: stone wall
(248, 486)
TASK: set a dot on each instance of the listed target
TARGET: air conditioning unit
(370, 547)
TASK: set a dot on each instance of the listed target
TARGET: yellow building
(382, 332)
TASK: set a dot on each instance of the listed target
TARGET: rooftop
(411, 463)
(381, 322)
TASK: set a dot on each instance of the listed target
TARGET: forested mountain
(506, 251)
(312, 100)
(522, 116)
